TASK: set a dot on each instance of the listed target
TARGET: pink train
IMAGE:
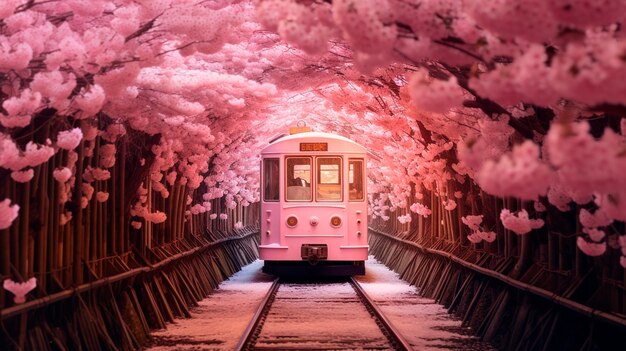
(313, 205)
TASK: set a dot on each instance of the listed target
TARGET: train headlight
(292, 221)
(335, 221)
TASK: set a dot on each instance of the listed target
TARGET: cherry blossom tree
(506, 95)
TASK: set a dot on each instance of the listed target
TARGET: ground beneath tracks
(220, 320)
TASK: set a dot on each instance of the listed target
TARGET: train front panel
(314, 210)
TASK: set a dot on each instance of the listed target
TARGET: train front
(313, 206)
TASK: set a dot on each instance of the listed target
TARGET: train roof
(336, 143)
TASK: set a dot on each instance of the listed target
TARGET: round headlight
(292, 221)
(335, 221)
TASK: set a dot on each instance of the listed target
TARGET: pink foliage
(102, 196)
(590, 248)
(197, 209)
(155, 217)
(597, 219)
(587, 13)
(55, 86)
(7, 7)
(449, 204)
(421, 209)
(65, 218)
(171, 178)
(14, 56)
(520, 174)
(515, 19)
(69, 139)
(474, 238)
(515, 83)
(19, 290)
(404, 219)
(35, 154)
(62, 175)
(202, 74)
(595, 234)
(434, 95)
(366, 26)
(8, 213)
(90, 102)
(92, 174)
(23, 176)
(520, 223)
(473, 222)
(20, 109)
(539, 207)
(486, 236)
(583, 163)
(107, 155)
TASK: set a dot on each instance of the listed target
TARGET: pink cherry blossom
(473, 222)
(449, 205)
(520, 223)
(404, 218)
(434, 95)
(8, 213)
(69, 139)
(20, 109)
(474, 238)
(421, 209)
(595, 234)
(520, 174)
(20, 290)
(102, 196)
(62, 175)
(22, 176)
(65, 218)
(590, 248)
(155, 217)
(487, 236)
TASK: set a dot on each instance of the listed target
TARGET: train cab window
(328, 179)
(298, 180)
(270, 179)
(355, 179)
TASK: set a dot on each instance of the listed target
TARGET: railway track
(319, 316)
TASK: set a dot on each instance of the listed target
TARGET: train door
(270, 216)
(357, 207)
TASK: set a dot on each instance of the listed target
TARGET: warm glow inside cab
(314, 205)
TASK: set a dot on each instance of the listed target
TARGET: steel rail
(392, 333)
(252, 330)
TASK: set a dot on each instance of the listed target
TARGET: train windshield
(299, 179)
(328, 179)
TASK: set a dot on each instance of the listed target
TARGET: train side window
(298, 174)
(328, 179)
(355, 179)
(270, 179)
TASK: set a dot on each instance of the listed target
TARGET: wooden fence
(521, 291)
(101, 283)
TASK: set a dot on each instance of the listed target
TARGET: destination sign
(313, 146)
